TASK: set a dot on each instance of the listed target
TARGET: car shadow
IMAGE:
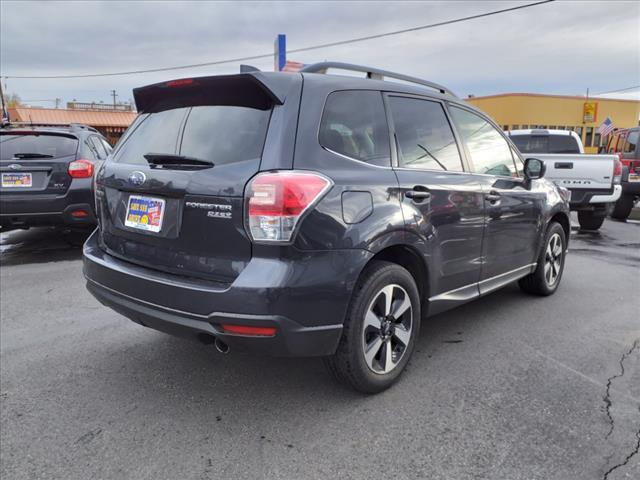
(41, 245)
(159, 365)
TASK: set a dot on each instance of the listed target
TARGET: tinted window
(424, 136)
(97, 147)
(222, 134)
(225, 134)
(106, 146)
(546, 143)
(354, 124)
(156, 133)
(490, 152)
(632, 142)
(53, 145)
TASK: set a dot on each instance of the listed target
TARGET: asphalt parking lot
(508, 387)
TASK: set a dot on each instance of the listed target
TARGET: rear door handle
(492, 197)
(417, 195)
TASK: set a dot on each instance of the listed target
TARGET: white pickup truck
(594, 180)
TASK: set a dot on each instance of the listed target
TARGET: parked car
(594, 180)
(624, 143)
(324, 221)
(47, 174)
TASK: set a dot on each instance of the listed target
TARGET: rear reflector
(277, 200)
(81, 169)
(79, 214)
(247, 330)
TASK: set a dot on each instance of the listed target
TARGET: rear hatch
(171, 195)
(35, 162)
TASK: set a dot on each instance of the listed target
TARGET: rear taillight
(276, 201)
(81, 169)
(617, 172)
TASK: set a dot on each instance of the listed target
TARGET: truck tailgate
(580, 171)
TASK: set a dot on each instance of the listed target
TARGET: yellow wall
(557, 111)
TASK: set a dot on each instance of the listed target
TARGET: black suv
(306, 214)
(47, 174)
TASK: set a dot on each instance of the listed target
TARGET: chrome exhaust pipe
(221, 346)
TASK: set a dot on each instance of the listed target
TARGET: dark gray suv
(307, 214)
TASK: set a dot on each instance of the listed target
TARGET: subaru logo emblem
(15, 166)
(137, 178)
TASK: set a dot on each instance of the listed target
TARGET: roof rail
(374, 73)
(80, 126)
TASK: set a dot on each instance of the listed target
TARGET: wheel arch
(409, 258)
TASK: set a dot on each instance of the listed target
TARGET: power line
(295, 50)
(619, 90)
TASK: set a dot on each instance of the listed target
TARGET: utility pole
(114, 95)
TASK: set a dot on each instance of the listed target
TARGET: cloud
(562, 47)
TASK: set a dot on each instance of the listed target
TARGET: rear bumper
(305, 301)
(582, 199)
(30, 210)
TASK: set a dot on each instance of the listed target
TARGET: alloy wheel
(553, 260)
(387, 328)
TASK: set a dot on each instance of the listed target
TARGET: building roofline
(573, 97)
(22, 107)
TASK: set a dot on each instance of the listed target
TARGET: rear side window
(632, 142)
(354, 124)
(490, 152)
(222, 134)
(546, 143)
(51, 146)
(424, 136)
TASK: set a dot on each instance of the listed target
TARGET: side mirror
(534, 168)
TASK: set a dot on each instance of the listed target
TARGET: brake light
(617, 172)
(247, 330)
(277, 200)
(179, 83)
(81, 169)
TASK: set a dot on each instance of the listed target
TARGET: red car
(624, 143)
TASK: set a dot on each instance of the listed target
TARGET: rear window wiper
(176, 162)
(32, 155)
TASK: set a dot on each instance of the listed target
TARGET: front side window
(490, 152)
(424, 136)
(354, 124)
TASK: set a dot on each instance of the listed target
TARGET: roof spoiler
(252, 89)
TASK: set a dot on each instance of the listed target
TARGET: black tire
(537, 282)
(622, 208)
(348, 364)
(590, 221)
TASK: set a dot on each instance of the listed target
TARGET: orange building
(529, 110)
(111, 124)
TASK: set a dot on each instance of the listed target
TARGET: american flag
(606, 128)
(291, 66)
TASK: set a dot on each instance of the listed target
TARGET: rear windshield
(546, 143)
(49, 146)
(221, 134)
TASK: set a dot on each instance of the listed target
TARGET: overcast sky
(563, 47)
